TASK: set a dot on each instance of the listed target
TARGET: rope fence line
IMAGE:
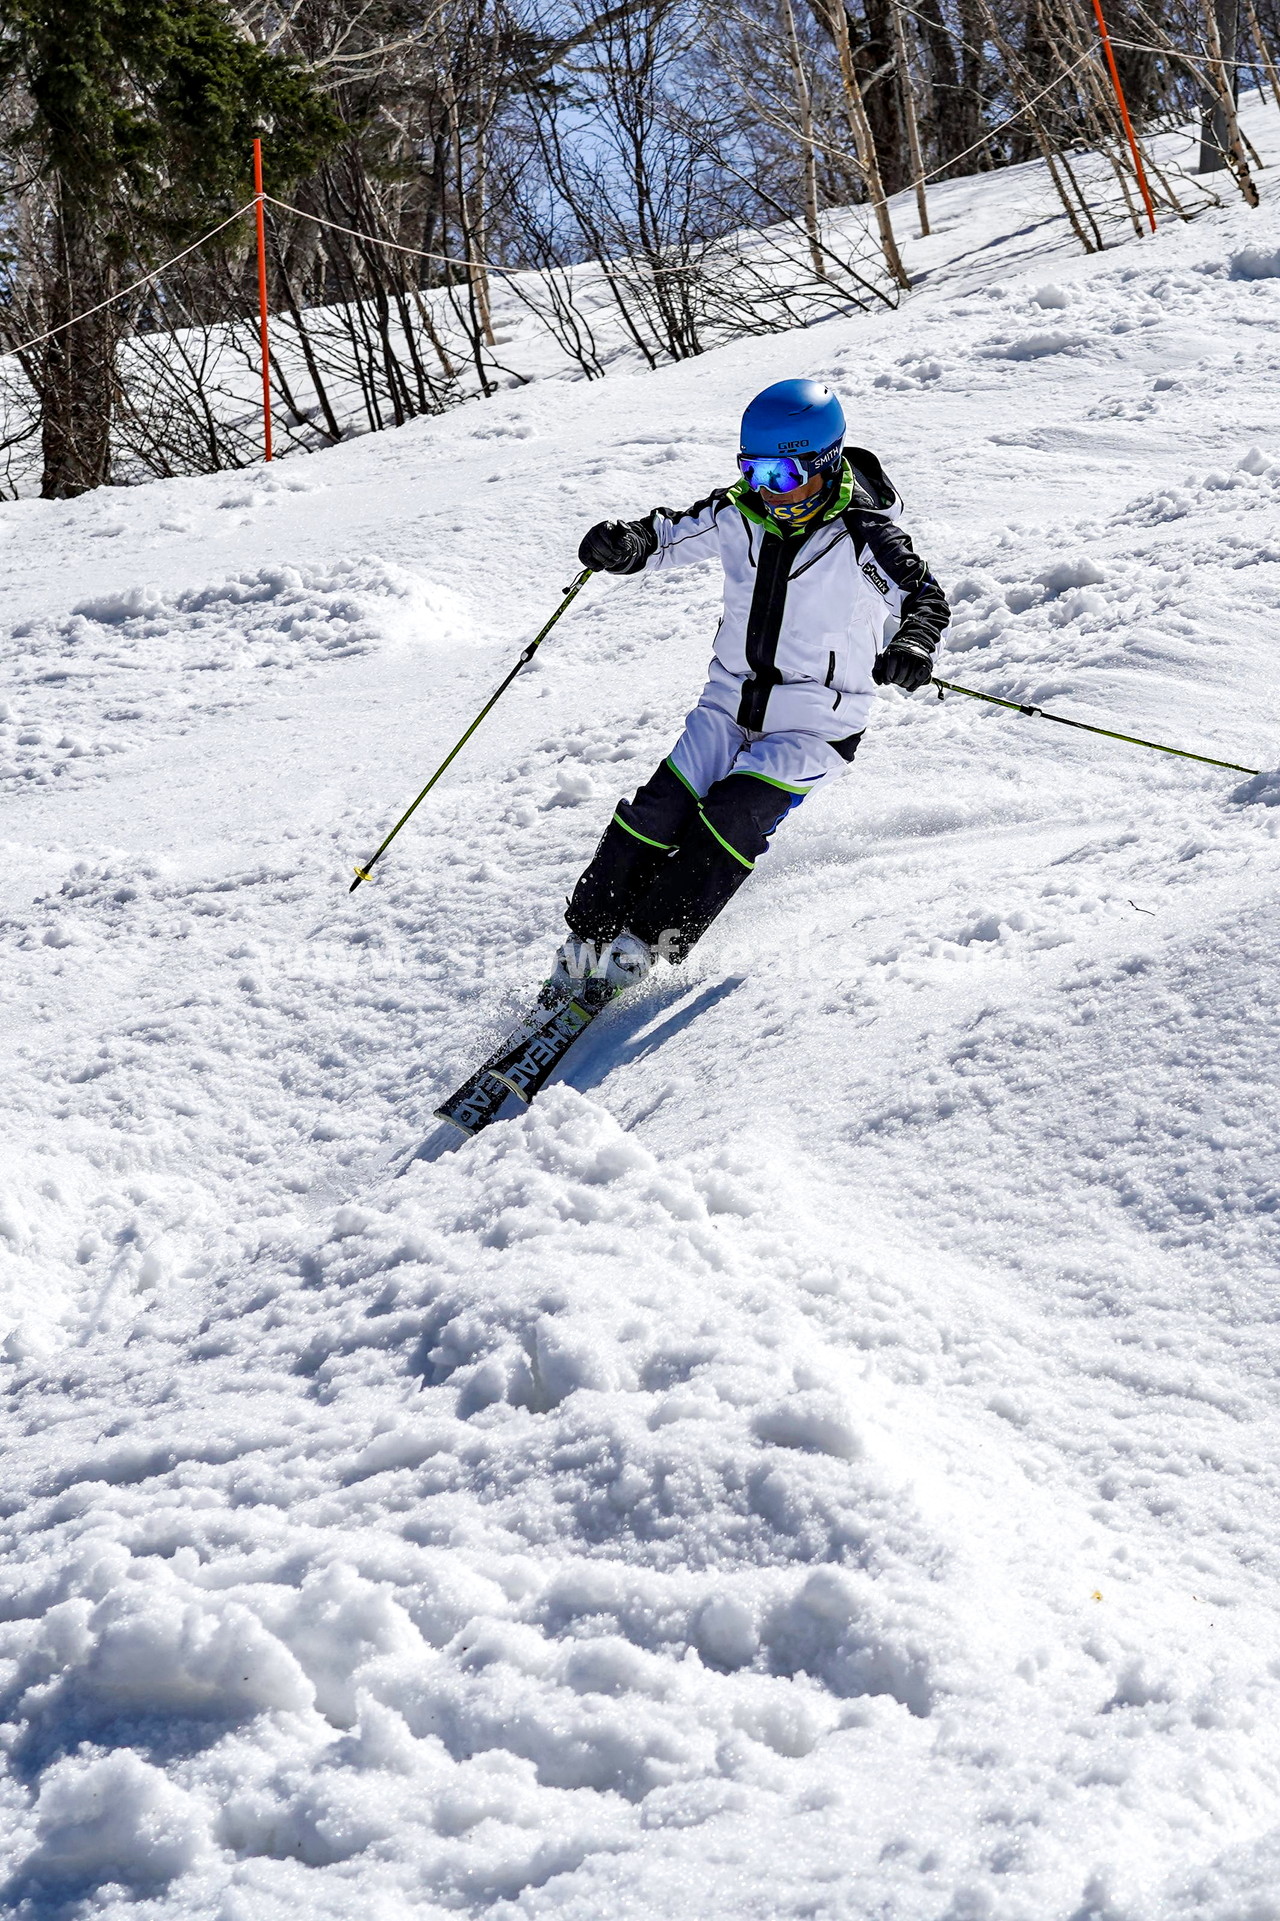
(1000, 125)
(1136, 46)
(455, 260)
(922, 180)
(396, 246)
(1180, 53)
(124, 292)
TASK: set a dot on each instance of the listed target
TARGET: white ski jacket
(806, 613)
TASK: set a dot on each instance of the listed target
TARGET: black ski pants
(669, 861)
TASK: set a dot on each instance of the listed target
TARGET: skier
(816, 569)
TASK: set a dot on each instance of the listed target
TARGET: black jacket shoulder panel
(890, 545)
(925, 611)
(870, 480)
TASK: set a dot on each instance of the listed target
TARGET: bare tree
(634, 179)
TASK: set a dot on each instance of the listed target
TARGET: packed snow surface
(822, 1460)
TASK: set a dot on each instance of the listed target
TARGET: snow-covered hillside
(821, 1461)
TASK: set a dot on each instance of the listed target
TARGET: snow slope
(821, 1461)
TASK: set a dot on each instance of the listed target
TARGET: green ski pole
(1132, 740)
(570, 594)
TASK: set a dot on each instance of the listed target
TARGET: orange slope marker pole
(263, 338)
(1138, 167)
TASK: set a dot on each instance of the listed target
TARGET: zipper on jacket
(764, 624)
(831, 671)
(820, 555)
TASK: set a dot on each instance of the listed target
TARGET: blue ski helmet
(801, 418)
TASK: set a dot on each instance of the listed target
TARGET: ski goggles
(783, 473)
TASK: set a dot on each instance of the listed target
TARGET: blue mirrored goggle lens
(779, 473)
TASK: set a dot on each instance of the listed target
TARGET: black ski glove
(904, 663)
(617, 547)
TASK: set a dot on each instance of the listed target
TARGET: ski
(529, 1065)
(476, 1102)
(523, 1061)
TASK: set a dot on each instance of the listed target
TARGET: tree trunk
(1040, 65)
(865, 146)
(1214, 131)
(1225, 75)
(78, 382)
(876, 62)
(972, 70)
(1263, 50)
(1025, 96)
(804, 102)
(909, 116)
(478, 236)
(953, 118)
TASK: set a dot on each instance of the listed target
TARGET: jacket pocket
(833, 662)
